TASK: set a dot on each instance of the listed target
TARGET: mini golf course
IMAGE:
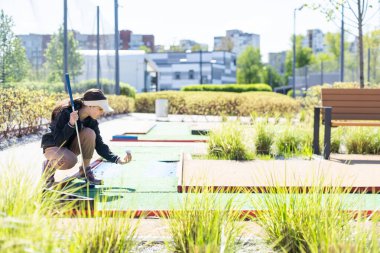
(156, 178)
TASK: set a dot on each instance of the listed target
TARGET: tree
(14, 64)
(250, 68)
(372, 42)
(304, 56)
(357, 13)
(54, 57)
(199, 47)
(226, 45)
(145, 48)
(272, 77)
(176, 48)
(332, 42)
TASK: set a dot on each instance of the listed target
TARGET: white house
(136, 68)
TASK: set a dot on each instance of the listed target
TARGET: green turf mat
(154, 153)
(170, 131)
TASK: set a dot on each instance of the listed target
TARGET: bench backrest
(352, 104)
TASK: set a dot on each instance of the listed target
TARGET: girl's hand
(126, 159)
(73, 118)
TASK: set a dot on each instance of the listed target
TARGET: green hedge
(218, 103)
(228, 87)
(108, 86)
(24, 111)
(81, 87)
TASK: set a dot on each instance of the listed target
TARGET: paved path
(356, 171)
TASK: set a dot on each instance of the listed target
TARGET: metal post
(322, 73)
(327, 139)
(306, 84)
(117, 76)
(369, 66)
(200, 66)
(65, 47)
(294, 53)
(342, 47)
(97, 48)
(317, 112)
(212, 73)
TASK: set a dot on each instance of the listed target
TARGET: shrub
(218, 103)
(81, 87)
(228, 87)
(227, 143)
(121, 104)
(204, 223)
(108, 86)
(264, 139)
(24, 111)
(294, 141)
(56, 87)
(362, 140)
(310, 219)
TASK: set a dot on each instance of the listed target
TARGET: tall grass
(362, 140)
(263, 138)
(104, 234)
(204, 223)
(25, 212)
(34, 220)
(293, 141)
(337, 138)
(312, 219)
(227, 143)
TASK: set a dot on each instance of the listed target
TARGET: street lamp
(200, 66)
(294, 48)
(212, 70)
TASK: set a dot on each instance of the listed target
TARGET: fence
(328, 72)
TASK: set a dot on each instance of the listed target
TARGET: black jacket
(62, 134)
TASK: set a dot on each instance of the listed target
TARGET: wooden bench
(345, 107)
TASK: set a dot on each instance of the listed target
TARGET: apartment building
(236, 41)
(178, 69)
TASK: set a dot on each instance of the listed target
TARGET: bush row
(218, 103)
(24, 111)
(107, 86)
(228, 87)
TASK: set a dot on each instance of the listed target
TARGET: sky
(172, 20)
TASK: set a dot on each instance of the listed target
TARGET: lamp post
(117, 41)
(65, 46)
(200, 66)
(212, 62)
(294, 48)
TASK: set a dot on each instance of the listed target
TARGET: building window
(191, 74)
(177, 75)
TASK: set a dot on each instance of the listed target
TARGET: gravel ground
(19, 141)
(253, 244)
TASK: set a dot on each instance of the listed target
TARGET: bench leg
(317, 113)
(327, 140)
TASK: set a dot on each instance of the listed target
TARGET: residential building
(136, 68)
(189, 44)
(159, 48)
(35, 46)
(88, 41)
(178, 69)
(132, 41)
(315, 40)
(236, 41)
(277, 61)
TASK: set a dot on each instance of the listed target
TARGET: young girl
(60, 145)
